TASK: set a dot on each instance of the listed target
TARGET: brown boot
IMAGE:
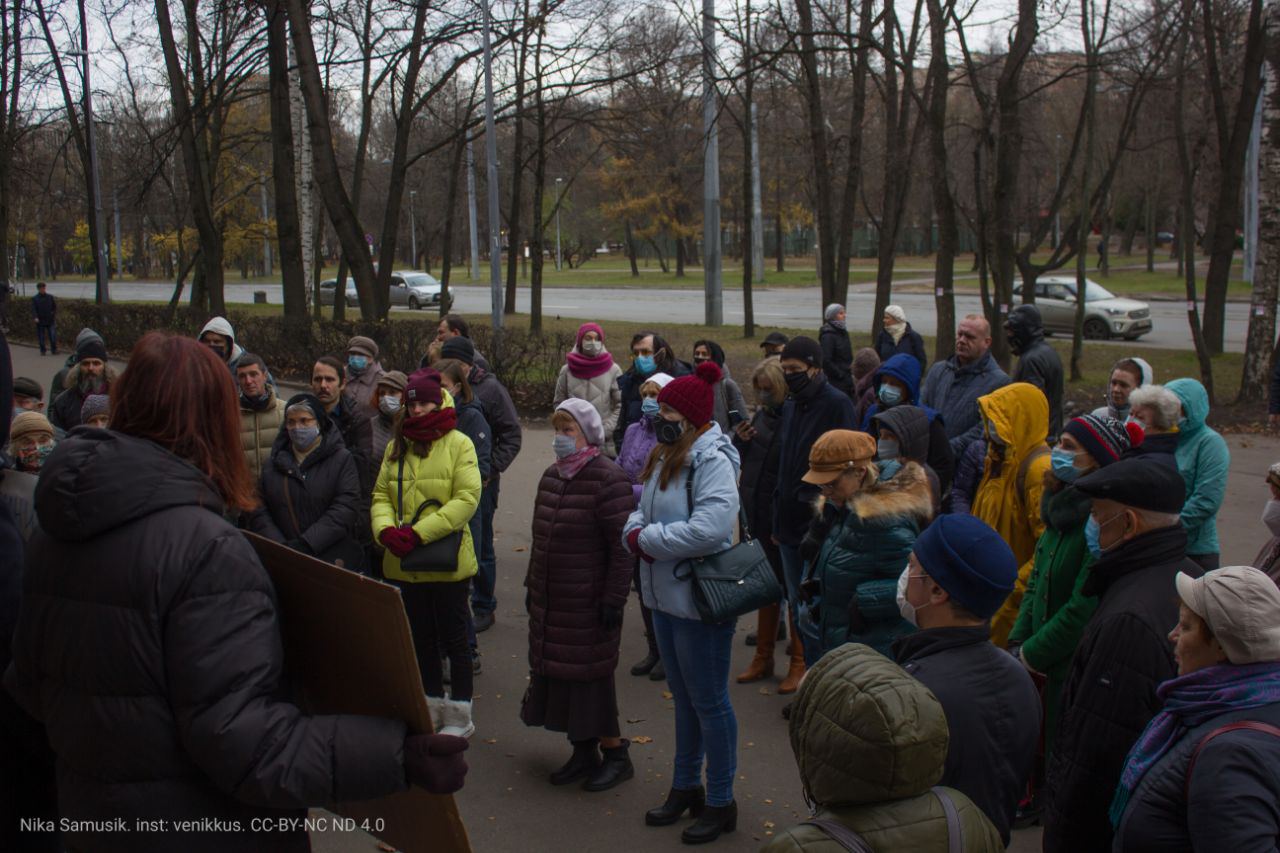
(795, 671)
(766, 638)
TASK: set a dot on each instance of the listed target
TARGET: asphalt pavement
(507, 803)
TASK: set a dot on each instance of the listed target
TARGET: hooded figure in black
(1038, 363)
(311, 490)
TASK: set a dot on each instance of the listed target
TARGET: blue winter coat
(953, 390)
(803, 422)
(906, 369)
(670, 534)
(1203, 460)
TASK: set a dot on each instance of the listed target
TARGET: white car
(1105, 314)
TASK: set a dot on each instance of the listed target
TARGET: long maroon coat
(577, 564)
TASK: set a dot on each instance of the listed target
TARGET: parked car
(328, 286)
(1105, 314)
(414, 289)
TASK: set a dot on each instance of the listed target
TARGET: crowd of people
(993, 612)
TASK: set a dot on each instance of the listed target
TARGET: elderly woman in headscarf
(837, 351)
(898, 336)
(578, 581)
(590, 374)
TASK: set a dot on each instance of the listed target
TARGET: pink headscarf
(584, 366)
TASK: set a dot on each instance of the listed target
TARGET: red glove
(435, 762)
(399, 540)
(633, 545)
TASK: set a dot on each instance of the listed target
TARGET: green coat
(870, 741)
(1055, 610)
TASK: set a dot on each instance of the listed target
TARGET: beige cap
(837, 451)
(1241, 606)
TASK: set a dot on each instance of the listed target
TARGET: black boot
(614, 770)
(714, 820)
(645, 666)
(658, 673)
(693, 800)
(584, 761)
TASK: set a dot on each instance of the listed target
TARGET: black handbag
(730, 583)
(440, 556)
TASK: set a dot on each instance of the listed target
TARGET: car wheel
(413, 303)
(1096, 330)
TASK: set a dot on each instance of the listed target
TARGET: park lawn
(1164, 282)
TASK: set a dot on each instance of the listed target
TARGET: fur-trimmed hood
(906, 495)
(72, 379)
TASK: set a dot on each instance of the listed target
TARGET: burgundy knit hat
(1105, 438)
(423, 387)
(692, 396)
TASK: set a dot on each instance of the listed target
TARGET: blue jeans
(696, 657)
(483, 584)
(793, 571)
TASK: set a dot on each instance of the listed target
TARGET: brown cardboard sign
(348, 650)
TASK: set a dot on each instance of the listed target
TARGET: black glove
(857, 622)
(610, 616)
(301, 546)
(435, 762)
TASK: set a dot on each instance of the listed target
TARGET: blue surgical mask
(649, 407)
(645, 364)
(564, 445)
(890, 395)
(304, 437)
(1091, 531)
(357, 363)
(1064, 465)
(886, 448)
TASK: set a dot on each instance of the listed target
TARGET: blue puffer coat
(669, 533)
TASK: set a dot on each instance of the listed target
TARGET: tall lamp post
(99, 221)
(559, 199)
(413, 231)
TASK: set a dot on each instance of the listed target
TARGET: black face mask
(668, 432)
(799, 385)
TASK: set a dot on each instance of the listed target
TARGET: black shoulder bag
(730, 583)
(438, 556)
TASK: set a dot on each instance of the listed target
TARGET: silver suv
(1105, 314)
(414, 289)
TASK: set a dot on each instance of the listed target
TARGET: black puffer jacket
(1038, 363)
(837, 356)
(149, 645)
(760, 471)
(317, 501)
(820, 408)
(1110, 692)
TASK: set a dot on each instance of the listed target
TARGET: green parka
(870, 742)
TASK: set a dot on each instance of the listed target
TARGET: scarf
(896, 330)
(257, 404)
(588, 367)
(576, 461)
(842, 325)
(1189, 701)
(430, 426)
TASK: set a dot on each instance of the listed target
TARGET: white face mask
(389, 404)
(906, 608)
(1271, 517)
(592, 348)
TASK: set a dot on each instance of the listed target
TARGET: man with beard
(1038, 363)
(90, 376)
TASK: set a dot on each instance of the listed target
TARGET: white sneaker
(457, 719)
(436, 707)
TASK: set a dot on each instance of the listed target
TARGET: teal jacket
(1203, 460)
(862, 556)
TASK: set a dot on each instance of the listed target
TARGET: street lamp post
(413, 230)
(559, 199)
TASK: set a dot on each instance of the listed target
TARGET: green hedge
(526, 363)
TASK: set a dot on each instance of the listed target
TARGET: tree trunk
(1090, 117)
(819, 150)
(944, 207)
(451, 203)
(282, 167)
(517, 168)
(539, 181)
(858, 53)
(631, 249)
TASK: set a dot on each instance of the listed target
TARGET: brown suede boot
(766, 638)
(795, 671)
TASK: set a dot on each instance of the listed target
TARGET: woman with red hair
(148, 643)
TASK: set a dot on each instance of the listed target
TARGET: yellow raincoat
(1019, 415)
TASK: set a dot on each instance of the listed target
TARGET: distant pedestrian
(730, 407)
(90, 375)
(578, 580)
(837, 351)
(1268, 559)
(953, 385)
(1127, 375)
(44, 311)
(590, 374)
(363, 370)
(1157, 410)
(1203, 460)
(261, 412)
(898, 337)
(1202, 776)
(871, 743)
(1038, 362)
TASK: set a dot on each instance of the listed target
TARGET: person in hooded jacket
(1157, 410)
(958, 575)
(428, 490)
(898, 383)
(837, 351)
(871, 742)
(865, 362)
(91, 375)
(364, 371)
(1202, 777)
(689, 509)
(589, 373)
(650, 354)
(261, 412)
(897, 337)
(1110, 691)
(1203, 459)
(1038, 363)
(904, 437)
(578, 580)
(159, 673)
(1127, 376)
(730, 407)
(860, 539)
(1268, 559)
(1009, 494)
(219, 336)
(310, 488)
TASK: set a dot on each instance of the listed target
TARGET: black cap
(804, 349)
(774, 339)
(24, 386)
(460, 348)
(1141, 483)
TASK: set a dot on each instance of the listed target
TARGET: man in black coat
(1038, 363)
(959, 574)
(91, 375)
(813, 407)
(1110, 692)
(44, 310)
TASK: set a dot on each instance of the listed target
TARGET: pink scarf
(576, 461)
(586, 367)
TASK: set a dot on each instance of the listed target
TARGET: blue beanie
(970, 561)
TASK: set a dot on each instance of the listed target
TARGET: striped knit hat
(1105, 438)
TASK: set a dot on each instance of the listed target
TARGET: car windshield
(419, 279)
(1093, 290)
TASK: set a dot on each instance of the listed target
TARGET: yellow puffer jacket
(258, 431)
(448, 474)
(1019, 414)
